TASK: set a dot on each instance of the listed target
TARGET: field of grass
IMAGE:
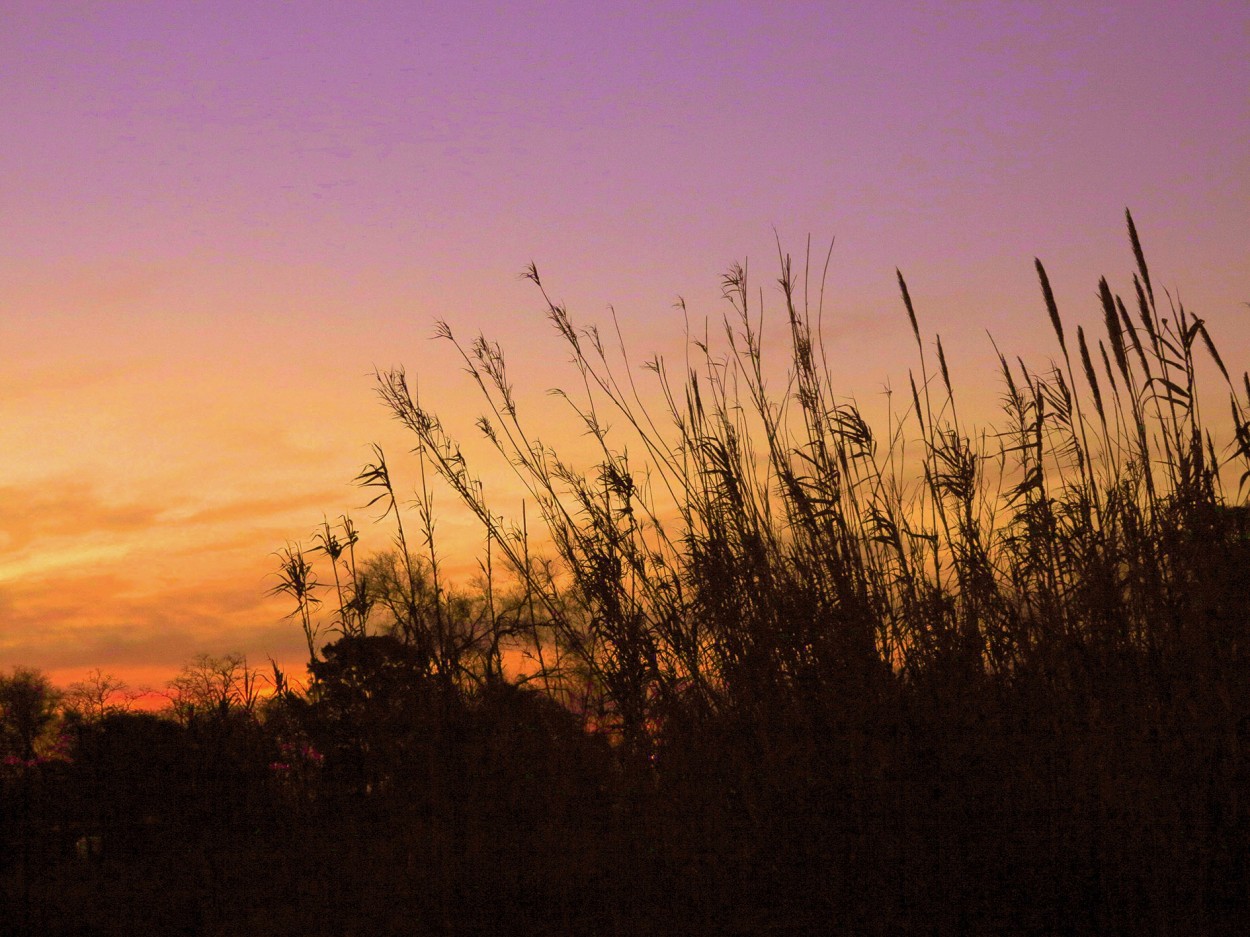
(774, 670)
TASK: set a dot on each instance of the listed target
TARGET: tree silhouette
(28, 705)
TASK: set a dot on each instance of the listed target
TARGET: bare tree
(217, 686)
(100, 695)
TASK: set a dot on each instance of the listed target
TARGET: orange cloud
(132, 586)
(124, 624)
(63, 509)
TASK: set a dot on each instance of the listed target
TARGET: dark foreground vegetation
(782, 674)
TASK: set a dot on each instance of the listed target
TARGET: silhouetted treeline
(782, 678)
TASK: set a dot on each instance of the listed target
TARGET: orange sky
(219, 219)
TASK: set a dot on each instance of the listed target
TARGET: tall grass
(984, 664)
(776, 544)
(767, 667)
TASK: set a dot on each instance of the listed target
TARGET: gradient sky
(219, 218)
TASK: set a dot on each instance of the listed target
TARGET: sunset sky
(219, 218)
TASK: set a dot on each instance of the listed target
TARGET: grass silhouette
(785, 672)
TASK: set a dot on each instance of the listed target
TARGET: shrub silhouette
(27, 708)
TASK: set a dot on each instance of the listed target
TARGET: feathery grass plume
(1090, 376)
(1111, 322)
(1131, 331)
(946, 376)
(1052, 308)
(911, 312)
(1201, 327)
(1138, 255)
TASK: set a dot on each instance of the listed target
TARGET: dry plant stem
(297, 578)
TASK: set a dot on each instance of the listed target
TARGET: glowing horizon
(222, 219)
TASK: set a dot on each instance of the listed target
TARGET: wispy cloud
(71, 509)
(120, 622)
(128, 586)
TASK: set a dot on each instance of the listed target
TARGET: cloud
(64, 509)
(139, 578)
(118, 622)
(311, 502)
(130, 586)
(71, 525)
